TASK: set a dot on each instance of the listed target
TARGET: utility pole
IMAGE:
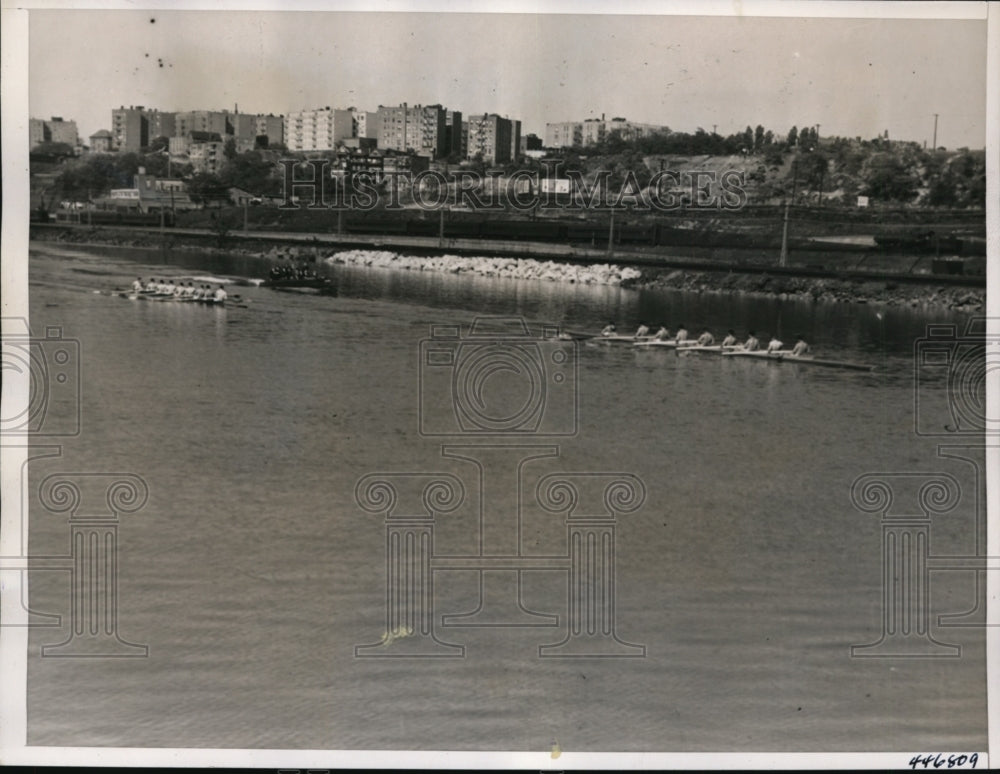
(795, 176)
(611, 234)
(783, 260)
(934, 144)
(246, 226)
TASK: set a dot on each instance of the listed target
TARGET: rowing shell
(786, 356)
(668, 343)
(171, 298)
(621, 339)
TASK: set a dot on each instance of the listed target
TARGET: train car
(532, 231)
(123, 218)
(424, 228)
(636, 235)
(375, 227)
(587, 233)
(463, 229)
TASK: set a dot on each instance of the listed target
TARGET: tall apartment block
(565, 134)
(418, 128)
(515, 139)
(491, 137)
(134, 127)
(322, 129)
(270, 126)
(54, 130)
(215, 121)
(453, 132)
(365, 123)
(594, 130)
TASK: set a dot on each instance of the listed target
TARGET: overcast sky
(851, 76)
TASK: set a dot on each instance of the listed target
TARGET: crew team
(706, 339)
(180, 290)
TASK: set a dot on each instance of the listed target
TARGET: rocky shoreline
(822, 290)
(817, 289)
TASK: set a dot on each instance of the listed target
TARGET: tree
(52, 149)
(229, 149)
(758, 137)
(888, 179)
(158, 144)
(251, 172)
(204, 187)
(813, 168)
(793, 137)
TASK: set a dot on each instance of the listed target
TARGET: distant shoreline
(963, 294)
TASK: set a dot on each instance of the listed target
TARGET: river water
(252, 573)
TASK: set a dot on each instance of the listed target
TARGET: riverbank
(689, 275)
(826, 290)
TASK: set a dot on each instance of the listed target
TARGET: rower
(730, 340)
(189, 290)
(179, 290)
(137, 285)
(752, 344)
(706, 339)
(220, 295)
(609, 329)
(197, 293)
(800, 347)
(642, 331)
(663, 334)
(682, 334)
(774, 345)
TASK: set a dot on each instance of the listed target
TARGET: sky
(853, 77)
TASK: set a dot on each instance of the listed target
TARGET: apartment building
(55, 129)
(491, 138)
(133, 127)
(568, 134)
(418, 128)
(321, 129)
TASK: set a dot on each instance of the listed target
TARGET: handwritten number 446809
(938, 761)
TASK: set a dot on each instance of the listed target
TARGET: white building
(322, 129)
